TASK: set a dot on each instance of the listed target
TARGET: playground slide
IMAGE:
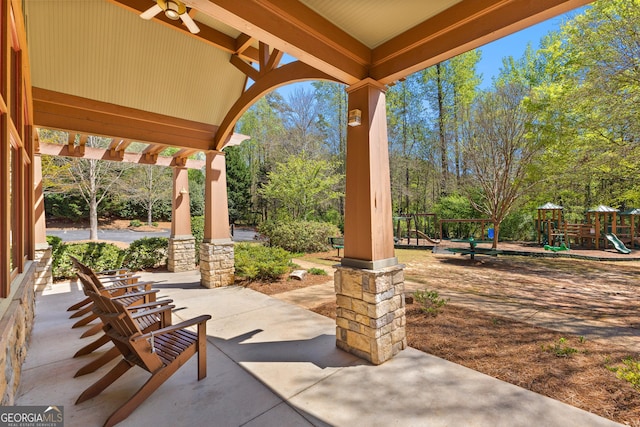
(424, 236)
(620, 247)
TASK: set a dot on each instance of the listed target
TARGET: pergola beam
(102, 154)
(57, 110)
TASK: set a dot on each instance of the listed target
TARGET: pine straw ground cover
(535, 358)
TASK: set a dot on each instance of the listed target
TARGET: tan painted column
(216, 250)
(43, 255)
(370, 321)
(182, 253)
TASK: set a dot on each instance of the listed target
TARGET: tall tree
(238, 184)
(499, 150)
(147, 185)
(300, 186)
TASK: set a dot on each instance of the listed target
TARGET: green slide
(620, 247)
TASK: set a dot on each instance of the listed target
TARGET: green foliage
(518, 225)
(148, 252)
(317, 271)
(238, 185)
(67, 206)
(430, 301)
(630, 372)
(196, 192)
(301, 186)
(560, 349)
(197, 231)
(97, 255)
(299, 236)
(135, 223)
(259, 262)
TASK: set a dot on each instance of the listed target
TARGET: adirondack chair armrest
(112, 271)
(200, 320)
(162, 303)
(133, 294)
(109, 279)
(147, 312)
(146, 285)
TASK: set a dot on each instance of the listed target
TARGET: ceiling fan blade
(190, 23)
(151, 12)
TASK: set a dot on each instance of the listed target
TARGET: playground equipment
(471, 228)
(415, 229)
(593, 233)
(620, 247)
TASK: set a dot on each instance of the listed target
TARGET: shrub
(148, 252)
(430, 301)
(135, 223)
(299, 236)
(253, 261)
(317, 271)
(97, 255)
(197, 231)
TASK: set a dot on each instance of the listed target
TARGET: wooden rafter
(106, 154)
(207, 34)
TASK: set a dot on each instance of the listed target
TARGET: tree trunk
(150, 214)
(443, 142)
(93, 218)
(496, 232)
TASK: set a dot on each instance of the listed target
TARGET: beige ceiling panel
(97, 50)
(373, 22)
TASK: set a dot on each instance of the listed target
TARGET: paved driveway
(128, 236)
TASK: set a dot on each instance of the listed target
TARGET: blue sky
(492, 53)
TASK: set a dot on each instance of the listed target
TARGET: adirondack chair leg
(202, 351)
(152, 384)
(94, 330)
(90, 318)
(79, 305)
(89, 348)
(92, 366)
(104, 382)
(82, 312)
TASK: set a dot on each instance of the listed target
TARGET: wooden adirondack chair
(160, 352)
(147, 322)
(112, 278)
(116, 289)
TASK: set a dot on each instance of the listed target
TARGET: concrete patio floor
(271, 363)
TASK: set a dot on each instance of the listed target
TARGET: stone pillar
(217, 264)
(370, 321)
(44, 266)
(216, 251)
(370, 282)
(181, 253)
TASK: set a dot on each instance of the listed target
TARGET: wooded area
(559, 124)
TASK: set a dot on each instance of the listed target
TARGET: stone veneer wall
(16, 322)
(44, 267)
(217, 264)
(371, 321)
(181, 254)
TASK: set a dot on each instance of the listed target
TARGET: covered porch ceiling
(97, 68)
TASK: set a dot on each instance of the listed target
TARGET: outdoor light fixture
(355, 118)
(183, 191)
(173, 11)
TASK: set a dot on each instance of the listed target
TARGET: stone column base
(181, 254)
(371, 321)
(217, 264)
(44, 266)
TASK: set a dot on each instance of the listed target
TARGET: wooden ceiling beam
(465, 26)
(292, 27)
(56, 110)
(207, 34)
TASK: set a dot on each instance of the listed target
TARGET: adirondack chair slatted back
(122, 329)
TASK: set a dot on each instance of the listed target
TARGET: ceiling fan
(174, 10)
